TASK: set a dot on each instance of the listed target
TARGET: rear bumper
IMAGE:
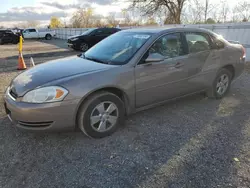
(58, 116)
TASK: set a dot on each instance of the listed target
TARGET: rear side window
(111, 31)
(197, 42)
(218, 43)
(99, 32)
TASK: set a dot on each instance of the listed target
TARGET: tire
(48, 37)
(214, 91)
(95, 125)
(84, 47)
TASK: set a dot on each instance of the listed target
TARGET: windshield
(88, 31)
(117, 49)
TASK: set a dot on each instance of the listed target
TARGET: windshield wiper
(96, 60)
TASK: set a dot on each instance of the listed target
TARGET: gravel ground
(194, 142)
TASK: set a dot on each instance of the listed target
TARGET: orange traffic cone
(21, 63)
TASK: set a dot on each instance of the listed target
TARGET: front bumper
(58, 116)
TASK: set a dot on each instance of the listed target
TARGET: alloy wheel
(104, 116)
(222, 84)
(84, 47)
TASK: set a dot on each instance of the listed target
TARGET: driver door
(160, 81)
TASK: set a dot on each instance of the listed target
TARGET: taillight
(243, 52)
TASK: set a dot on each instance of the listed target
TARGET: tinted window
(197, 42)
(168, 46)
(88, 31)
(100, 32)
(119, 48)
(32, 30)
(110, 31)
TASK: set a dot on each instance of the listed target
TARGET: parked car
(129, 71)
(89, 38)
(32, 33)
(8, 36)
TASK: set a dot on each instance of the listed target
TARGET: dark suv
(8, 36)
(90, 37)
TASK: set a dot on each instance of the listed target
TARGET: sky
(14, 11)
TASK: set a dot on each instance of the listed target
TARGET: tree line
(153, 12)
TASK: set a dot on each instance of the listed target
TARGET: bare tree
(207, 9)
(149, 7)
(127, 17)
(111, 19)
(82, 18)
(194, 12)
(242, 10)
(198, 11)
(224, 11)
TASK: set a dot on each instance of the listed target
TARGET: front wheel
(221, 84)
(101, 115)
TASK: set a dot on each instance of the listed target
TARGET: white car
(32, 33)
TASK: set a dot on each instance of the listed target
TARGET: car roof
(166, 29)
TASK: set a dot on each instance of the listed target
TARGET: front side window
(197, 42)
(169, 46)
(117, 49)
(32, 30)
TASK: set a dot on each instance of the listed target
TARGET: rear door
(199, 60)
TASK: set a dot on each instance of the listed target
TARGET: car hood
(76, 36)
(53, 70)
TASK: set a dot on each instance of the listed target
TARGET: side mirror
(155, 57)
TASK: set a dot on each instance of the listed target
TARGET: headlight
(45, 95)
(74, 39)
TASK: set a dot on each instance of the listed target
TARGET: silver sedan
(127, 72)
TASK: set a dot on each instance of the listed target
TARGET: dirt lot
(195, 142)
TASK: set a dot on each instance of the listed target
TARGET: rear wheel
(48, 37)
(221, 84)
(84, 47)
(101, 115)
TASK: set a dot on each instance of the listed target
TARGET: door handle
(178, 65)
